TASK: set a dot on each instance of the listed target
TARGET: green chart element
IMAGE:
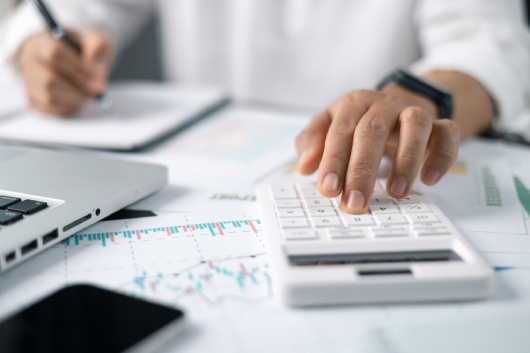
(523, 193)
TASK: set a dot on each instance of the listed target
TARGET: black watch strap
(441, 97)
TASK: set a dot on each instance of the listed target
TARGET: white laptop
(46, 196)
(142, 113)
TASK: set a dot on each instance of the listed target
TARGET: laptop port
(29, 247)
(10, 257)
(54, 234)
(77, 222)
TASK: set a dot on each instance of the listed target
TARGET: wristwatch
(440, 96)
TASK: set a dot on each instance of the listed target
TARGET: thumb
(310, 143)
(98, 55)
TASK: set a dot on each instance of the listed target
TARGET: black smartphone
(84, 318)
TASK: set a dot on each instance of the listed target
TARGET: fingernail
(303, 156)
(432, 177)
(331, 182)
(355, 200)
(399, 185)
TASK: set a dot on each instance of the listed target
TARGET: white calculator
(403, 250)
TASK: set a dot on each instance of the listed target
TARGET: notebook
(142, 113)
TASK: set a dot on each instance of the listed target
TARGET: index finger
(338, 146)
(369, 141)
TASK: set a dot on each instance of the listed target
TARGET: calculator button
(384, 208)
(28, 207)
(287, 203)
(8, 217)
(318, 202)
(283, 192)
(301, 234)
(6, 201)
(414, 207)
(411, 198)
(290, 212)
(380, 199)
(425, 217)
(294, 223)
(357, 220)
(311, 193)
(421, 231)
(321, 222)
(425, 225)
(346, 233)
(390, 218)
(389, 232)
(308, 186)
(322, 211)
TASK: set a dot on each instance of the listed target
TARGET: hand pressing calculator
(403, 250)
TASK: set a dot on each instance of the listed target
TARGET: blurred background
(141, 59)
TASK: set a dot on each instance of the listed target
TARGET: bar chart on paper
(485, 193)
(218, 228)
(523, 194)
(176, 256)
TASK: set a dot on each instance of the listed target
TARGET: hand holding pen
(62, 70)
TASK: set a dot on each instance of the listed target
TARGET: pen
(59, 33)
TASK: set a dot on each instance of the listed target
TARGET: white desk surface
(223, 282)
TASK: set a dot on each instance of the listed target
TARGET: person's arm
(483, 72)
(59, 80)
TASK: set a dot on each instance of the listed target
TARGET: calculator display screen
(374, 258)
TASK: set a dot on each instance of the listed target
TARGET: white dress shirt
(310, 52)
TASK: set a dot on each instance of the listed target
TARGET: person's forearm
(473, 107)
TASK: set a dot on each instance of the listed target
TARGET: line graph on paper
(244, 279)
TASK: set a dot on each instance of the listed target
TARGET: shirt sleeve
(485, 39)
(119, 19)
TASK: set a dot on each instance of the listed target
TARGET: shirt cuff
(483, 65)
(21, 25)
